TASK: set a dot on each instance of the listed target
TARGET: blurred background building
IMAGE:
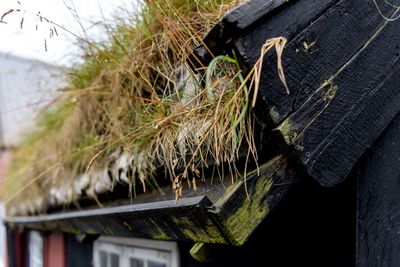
(26, 86)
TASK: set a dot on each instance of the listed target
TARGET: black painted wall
(78, 253)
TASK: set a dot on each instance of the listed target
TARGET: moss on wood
(242, 211)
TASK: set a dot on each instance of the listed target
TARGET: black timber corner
(342, 68)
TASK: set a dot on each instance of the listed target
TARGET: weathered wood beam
(186, 220)
(344, 116)
(288, 21)
(342, 71)
(230, 220)
(327, 40)
(249, 25)
(200, 252)
(231, 26)
(244, 208)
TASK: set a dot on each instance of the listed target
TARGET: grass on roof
(125, 96)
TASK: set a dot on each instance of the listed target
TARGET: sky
(62, 49)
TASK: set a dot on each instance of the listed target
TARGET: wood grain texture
(288, 21)
(186, 220)
(340, 65)
(331, 132)
(312, 55)
(378, 208)
(230, 220)
(231, 26)
(249, 12)
(240, 212)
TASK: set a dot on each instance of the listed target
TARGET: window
(127, 252)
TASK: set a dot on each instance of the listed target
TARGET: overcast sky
(29, 42)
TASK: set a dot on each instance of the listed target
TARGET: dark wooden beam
(288, 21)
(229, 220)
(344, 116)
(231, 26)
(322, 38)
(250, 12)
(186, 220)
(378, 202)
(241, 211)
(342, 69)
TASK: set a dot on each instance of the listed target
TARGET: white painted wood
(35, 247)
(161, 252)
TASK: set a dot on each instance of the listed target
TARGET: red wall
(54, 250)
(20, 243)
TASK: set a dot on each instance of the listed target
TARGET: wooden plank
(378, 202)
(229, 220)
(186, 220)
(313, 55)
(240, 212)
(249, 12)
(287, 21)
(345, 115)
(201, 252)
(270, 18)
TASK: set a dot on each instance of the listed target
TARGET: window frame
(36, 249)
(127, 247)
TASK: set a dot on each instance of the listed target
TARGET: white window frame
(158, 251)
(35, 246)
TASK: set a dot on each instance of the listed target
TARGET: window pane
(137, 263)
(114, 260)
(156, 264)
(103, 259)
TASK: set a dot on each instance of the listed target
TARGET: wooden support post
(200, 252)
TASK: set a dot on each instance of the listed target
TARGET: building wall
(78, 253)
(54, 250)
(25, 87)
